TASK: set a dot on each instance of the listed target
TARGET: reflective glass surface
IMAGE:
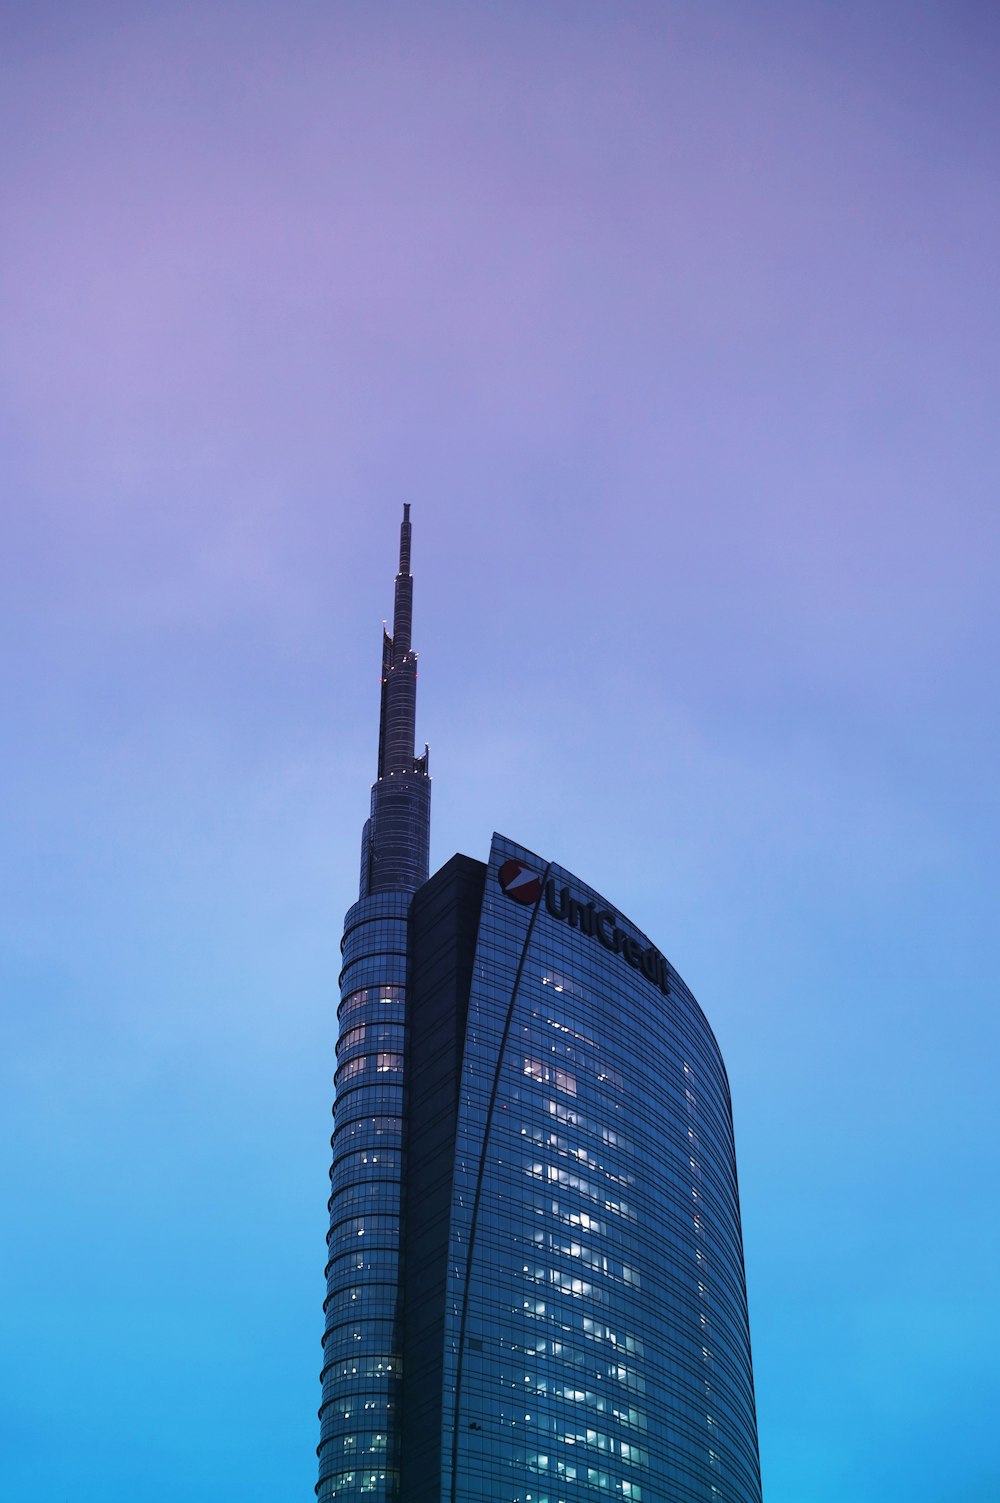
(570, 1226)
(596, 1333)
(361, 1363)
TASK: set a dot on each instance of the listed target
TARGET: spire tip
(404, 540)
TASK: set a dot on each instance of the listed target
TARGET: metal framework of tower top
(396, 839)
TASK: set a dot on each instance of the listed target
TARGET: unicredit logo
(520, 882)
(524, 885)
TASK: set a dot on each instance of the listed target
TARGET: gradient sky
(678, 324)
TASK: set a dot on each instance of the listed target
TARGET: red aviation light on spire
(520, 882)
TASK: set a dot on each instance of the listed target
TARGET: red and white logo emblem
(520, 882)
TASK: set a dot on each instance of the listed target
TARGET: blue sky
(678, 328)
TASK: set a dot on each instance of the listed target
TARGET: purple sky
(679, 327)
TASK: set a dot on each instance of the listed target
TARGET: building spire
(395, 843)
(402, 614)
(404, 540)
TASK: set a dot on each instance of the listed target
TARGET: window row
(385, 1063)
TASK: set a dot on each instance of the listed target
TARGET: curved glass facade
(359, 1414)
(358, 1449)
(595, 1332)
(534, 1278)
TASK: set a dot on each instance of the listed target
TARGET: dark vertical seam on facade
(479, 1185)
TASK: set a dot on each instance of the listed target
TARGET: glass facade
(361, 1345)
(596, 1340)
(535, 1288)
(359, 1436)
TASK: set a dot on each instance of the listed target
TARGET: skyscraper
(535, 1288)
